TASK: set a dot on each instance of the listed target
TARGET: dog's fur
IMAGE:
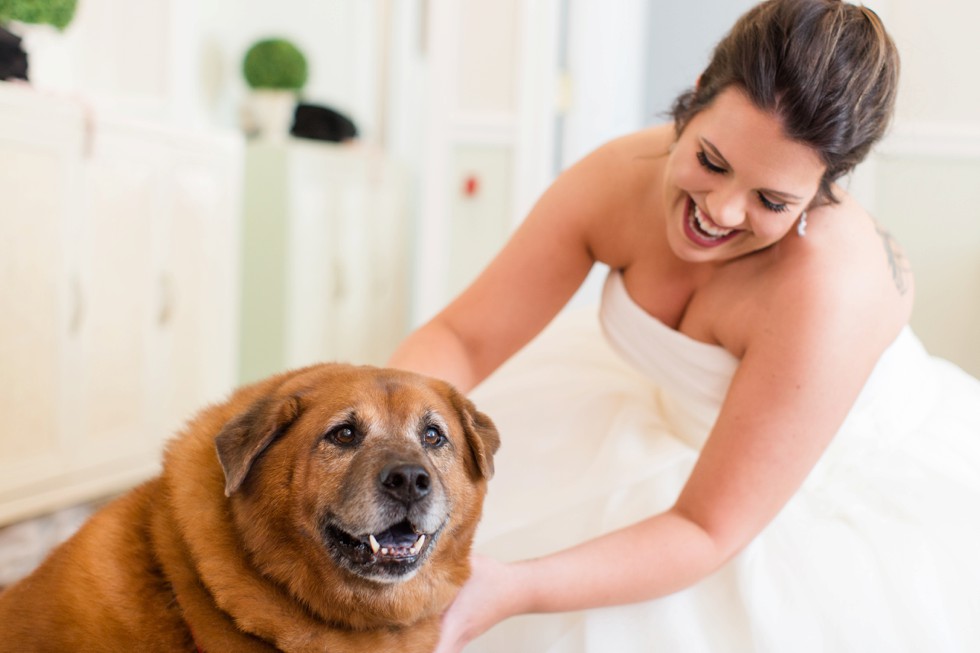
(239, 544)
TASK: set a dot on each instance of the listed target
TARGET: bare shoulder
(653, 141)
(847, 276)
(623, 181)
(624, 165)
(614, 168)
(849, 250)
(808, 318)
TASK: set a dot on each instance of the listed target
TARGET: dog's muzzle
(408, 516)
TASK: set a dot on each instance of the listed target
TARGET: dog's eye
(343, 434)
(433, 437)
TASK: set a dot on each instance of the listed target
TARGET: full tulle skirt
(878, 551)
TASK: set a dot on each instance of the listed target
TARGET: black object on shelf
(322, 123)
(13, 59)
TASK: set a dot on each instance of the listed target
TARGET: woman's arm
(812, 346)
(532, 278)
(655, 557)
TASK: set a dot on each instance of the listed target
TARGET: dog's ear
(246, 436)
(481, 434)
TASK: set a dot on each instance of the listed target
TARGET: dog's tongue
(400, 539)
(401, 534)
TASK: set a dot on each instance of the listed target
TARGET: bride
(748, 450)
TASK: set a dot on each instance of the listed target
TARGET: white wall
(681, 36)
(181, 59)
(340, 39)
(627, 60)
(927, 175)
(114, 53)
(940, 50)
(606, 63)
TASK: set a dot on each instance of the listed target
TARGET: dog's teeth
(418, 543)
(374, 544)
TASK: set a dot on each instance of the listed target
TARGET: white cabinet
(326, 256)
(37, 182)
(118, 286)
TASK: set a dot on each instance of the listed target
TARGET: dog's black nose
(405, 482)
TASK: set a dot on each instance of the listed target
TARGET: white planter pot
(271, 113)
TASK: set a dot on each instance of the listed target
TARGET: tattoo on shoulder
(897, 260)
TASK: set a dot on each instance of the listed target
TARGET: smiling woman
(749, 450)
(744, 200)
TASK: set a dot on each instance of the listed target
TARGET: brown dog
(327, 509)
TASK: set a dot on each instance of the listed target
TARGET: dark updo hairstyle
(825, 68)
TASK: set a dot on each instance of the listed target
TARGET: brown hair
(826, 68)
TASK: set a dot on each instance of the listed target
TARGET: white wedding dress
(601, 423)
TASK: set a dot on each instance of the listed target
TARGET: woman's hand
(488, 597)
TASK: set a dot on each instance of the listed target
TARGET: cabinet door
(39, 154)
(196, 249)
(348, 264)
(115, 279)
(324, 256)
(372, 246)
(160, 263)
(118, 286)
(31, 293)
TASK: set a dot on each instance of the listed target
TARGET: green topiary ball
(275, 63)
(49, 12)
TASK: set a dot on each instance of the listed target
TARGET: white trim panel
(933, 139)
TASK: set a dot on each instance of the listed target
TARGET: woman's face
(735, 183)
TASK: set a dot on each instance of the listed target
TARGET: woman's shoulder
(621, 162)
(652, 142)
(616, 189)
(845, 273)
(844, 244)
(846, 266)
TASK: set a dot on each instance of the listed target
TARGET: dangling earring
(801, 227)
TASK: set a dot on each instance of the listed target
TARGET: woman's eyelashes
(706, 163)
(772, 206)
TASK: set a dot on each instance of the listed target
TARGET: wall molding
(932, 139)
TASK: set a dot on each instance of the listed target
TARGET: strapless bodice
(694, 375)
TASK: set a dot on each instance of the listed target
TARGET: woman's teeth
(708, 228)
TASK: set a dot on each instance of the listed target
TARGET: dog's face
(375, 473)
